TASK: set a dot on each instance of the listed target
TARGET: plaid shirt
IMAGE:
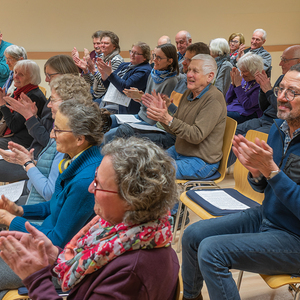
(285, 129)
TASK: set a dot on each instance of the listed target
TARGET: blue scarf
(161, 76)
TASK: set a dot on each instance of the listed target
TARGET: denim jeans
(243, 241)
(189, 167)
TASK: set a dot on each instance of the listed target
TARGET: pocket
(292, 168)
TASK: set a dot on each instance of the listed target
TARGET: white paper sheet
(12, 191)
(114, 96)
(1, 155)
(126, 119)
(222, 200)
(145, 127)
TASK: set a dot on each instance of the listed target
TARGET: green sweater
(199, 125)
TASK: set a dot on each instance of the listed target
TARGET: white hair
(264, 37)
(251, 62)
(30, 67)
(219, 47)
(209, 64)
(16, 52)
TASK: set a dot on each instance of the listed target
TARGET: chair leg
(181, 229)
(176, 221)
(239, 281)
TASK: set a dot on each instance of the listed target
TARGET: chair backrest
(43, 90)
(240, 173)
(179, 291)
(227, 143)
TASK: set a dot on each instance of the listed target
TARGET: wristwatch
(169, 124)
(27, 163)
(272, 174)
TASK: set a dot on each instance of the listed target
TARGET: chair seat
(276, 281)
(14, 295)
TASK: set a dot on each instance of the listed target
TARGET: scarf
(110, 56)
(98, 243)
(161, 76)
(25, 89)
(65, 162)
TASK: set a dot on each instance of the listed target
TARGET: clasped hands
(27, 253)
(257, 157)
(236, 78)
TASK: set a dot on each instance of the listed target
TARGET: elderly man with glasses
(265, 239)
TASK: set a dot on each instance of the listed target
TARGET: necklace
(249, 87)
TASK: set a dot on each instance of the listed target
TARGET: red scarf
(25, 89)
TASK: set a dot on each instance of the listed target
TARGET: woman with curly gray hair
(124, 252)
(242, 96)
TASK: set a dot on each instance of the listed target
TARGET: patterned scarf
(161, 76)
(98, 243)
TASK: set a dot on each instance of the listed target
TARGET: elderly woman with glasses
(133, 74)
(43, 172)
(242, 96)
(235, 40)
(78, 132)
(124, 252)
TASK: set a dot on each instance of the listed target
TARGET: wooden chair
(179, 291)
(227, 143)
(14, 295)
(241, 185)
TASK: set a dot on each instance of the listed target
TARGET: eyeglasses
(285, 60)
(288, 93)
(158, 58)
(234, 42)
(49, 75)
(187, 60)
(134, 53)
(10, 59)
(53, 100)
(97, 183)
(60, 130)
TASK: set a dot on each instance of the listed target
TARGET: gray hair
(84, 119)
(219, 47)
(264, 37)
(69, 86)
(16, 52)
(30, 67)
(209, 64)
(187, 35)
(145, 175)
(251, 62)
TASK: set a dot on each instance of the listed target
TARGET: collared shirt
(180, 56)
(190, 96)
(286, 130)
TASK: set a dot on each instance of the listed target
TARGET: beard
(289, 116)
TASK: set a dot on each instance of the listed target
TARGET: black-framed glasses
(60, 130)
(97, 183)
(134, 53)
(285, 60)
(288, 93)
(50, 75)
(158, 58)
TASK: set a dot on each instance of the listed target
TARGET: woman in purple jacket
(242, 96)
(125, 251)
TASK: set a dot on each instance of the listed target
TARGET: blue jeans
(189, 167)
(243, 241)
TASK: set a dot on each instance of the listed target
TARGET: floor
(253, 287)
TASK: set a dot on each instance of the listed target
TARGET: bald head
(163, 40)
(183, 40)
(290, 57)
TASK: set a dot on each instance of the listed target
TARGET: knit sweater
(281, 204)
(4, 70)
(199, 125)
(71, 205)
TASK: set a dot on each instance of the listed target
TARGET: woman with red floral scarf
(124, 252)
(26, 79)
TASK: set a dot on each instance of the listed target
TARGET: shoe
(187, 220)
